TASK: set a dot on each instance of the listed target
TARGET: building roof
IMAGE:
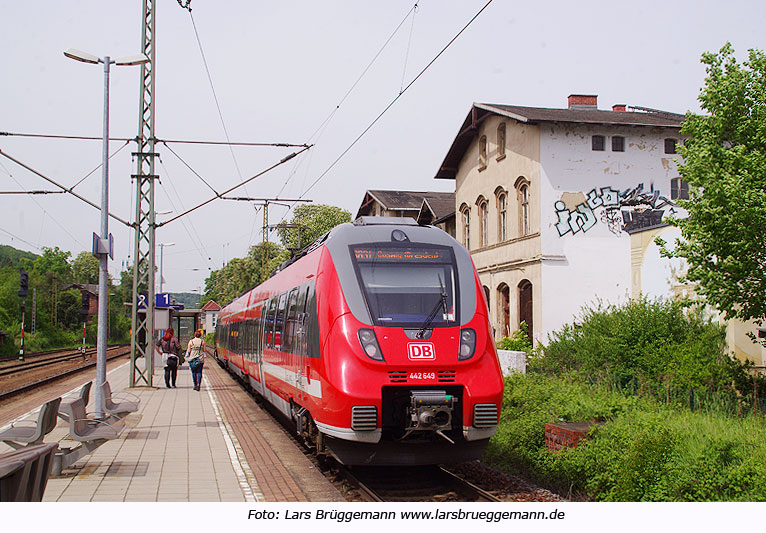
(92, 288)
(436, 209)
(211, 306)
(639, 116)
(401, 200)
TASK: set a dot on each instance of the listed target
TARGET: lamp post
(102, 246)
(162, 248)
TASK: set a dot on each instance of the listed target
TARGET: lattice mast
(142, 331)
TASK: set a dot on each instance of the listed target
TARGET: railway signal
(23, 289)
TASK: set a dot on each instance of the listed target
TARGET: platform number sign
(142, 301)
(162, 299)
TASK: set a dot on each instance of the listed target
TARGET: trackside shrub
(518, 341)
(642, 450)
(654, 344)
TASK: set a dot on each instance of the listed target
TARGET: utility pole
(142, 325)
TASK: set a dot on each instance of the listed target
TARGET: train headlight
(370, 345)
(467, 344)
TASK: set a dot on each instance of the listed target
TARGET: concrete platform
(215, 445)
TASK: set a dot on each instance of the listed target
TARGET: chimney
(583, 101)
(619, 107)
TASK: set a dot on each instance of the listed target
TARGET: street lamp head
(137, 59)
(78, 55)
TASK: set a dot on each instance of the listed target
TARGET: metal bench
(28, 432)
(115, 406)
(24, 473)
(90, 433)
(84, 395)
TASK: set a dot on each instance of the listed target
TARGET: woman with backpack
(196, 354)
(169, 346)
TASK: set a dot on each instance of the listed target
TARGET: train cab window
(408, 286)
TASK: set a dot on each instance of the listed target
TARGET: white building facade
(549, 202)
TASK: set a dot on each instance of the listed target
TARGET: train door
(300, 337)
(289, 339)
(268, 347)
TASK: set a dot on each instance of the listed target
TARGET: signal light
(23, 285)
(85, 307)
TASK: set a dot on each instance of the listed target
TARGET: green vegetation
(518, 341)
(674, 413)
(56, 309)
(242, 274)
(724, 163)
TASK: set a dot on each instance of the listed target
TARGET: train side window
(279, 321)
(268, 332)
(300, 323)
(257, 347)
(312, 323)
(290, 323)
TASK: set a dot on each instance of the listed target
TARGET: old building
(547, 200)
(209, 315)
(436, 208)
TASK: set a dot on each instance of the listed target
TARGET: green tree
(85, 268)
(314, 220)
(724, 163)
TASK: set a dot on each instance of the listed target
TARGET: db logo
(420, 350)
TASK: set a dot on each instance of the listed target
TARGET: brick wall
(566, 435)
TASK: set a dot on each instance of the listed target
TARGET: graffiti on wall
(628, 211)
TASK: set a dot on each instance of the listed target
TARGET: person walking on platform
(196, 355)
(169, 346)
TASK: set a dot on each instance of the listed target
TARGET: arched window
(504, 309)
(483, 220)
(522, 194)
(482, 152)
(486, 295)
(465, 214)
(502, 214)
(501, 141)
(524, 200)
(525, 305)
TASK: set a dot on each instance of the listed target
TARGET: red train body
(376, 344)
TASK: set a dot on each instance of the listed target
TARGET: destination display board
(374, 254)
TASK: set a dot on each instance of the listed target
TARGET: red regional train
(375, 343)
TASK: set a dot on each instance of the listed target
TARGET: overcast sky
(279, 69)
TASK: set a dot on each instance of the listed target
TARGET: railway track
(388, 484)
(414, 484)
(17, 372)
(41, 359)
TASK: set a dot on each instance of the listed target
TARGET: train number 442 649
(422, 375)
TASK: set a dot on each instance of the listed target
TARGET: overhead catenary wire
(75, 239)
(314, 138)
(197, 243)
(173, 141)
(241, 184)
(215, 95)
(46, 178)
(396, 98)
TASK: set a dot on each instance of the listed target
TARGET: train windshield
(408, 286)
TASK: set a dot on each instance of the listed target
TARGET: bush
(644, 344)
(642, 450)
(518, 341)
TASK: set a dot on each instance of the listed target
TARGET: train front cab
(411, 372)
